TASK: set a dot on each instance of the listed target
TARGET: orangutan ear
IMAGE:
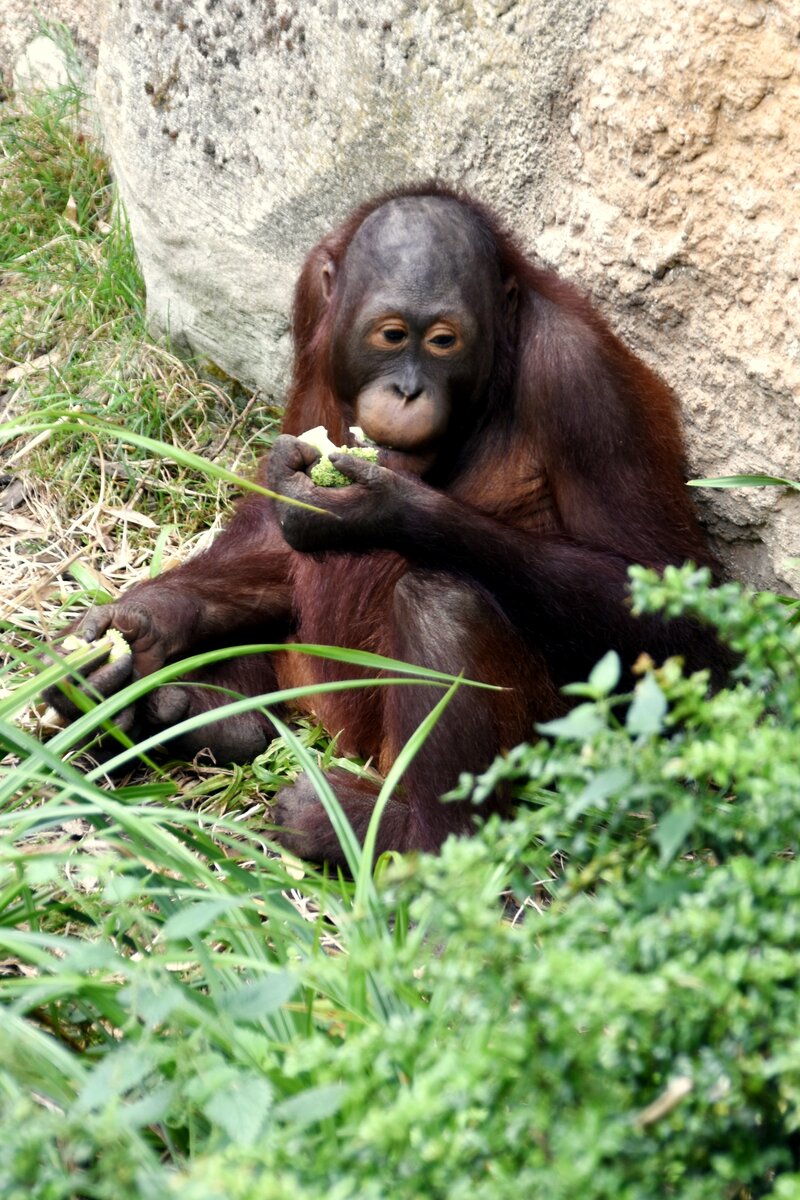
(511, 289)
(328, 276)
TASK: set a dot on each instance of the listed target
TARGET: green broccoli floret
(325, 474)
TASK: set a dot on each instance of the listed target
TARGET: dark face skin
(413, 339)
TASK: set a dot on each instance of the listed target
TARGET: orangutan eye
(390, 335)
(442, 339)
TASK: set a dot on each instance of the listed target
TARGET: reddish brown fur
(574, 469)
(535, 416)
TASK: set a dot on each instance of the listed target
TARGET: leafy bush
(626, 1028)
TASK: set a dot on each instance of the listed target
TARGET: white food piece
(318, 438)
(112, 643)
(119, 647)
(73, 643)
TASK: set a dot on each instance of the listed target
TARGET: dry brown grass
(81, 512)
(120, 517)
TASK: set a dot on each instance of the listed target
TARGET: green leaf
(312, 1105)
(153, 1006)
(241, 1108)
(606, 783)
(255, 1000)
(89, 584)
(581, 724)
(157, 559)
(648, 708)
(194, 918)
(606, 674)
(672, 831)
(71, 421)
(148, 1109)
(364, 879)
(114, 1075)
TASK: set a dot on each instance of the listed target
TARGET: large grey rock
(683, 218)
(650, 152)
(240, 132)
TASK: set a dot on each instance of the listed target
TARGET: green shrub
(626, 1027)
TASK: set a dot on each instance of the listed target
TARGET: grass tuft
(83, 513)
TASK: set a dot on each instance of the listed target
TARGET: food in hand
(323, 473)
(112, 643)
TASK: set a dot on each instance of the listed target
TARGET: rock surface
(682, 217)
(651, 152)
(241, 132)
(25, 55)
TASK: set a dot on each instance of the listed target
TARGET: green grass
(72, 337)
(597, 999)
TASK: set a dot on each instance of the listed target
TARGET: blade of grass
(365, 885)
(342, 827)
(733, 481)
(103, 712)
(71, 422)
(266, 701)
(48, 1065)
